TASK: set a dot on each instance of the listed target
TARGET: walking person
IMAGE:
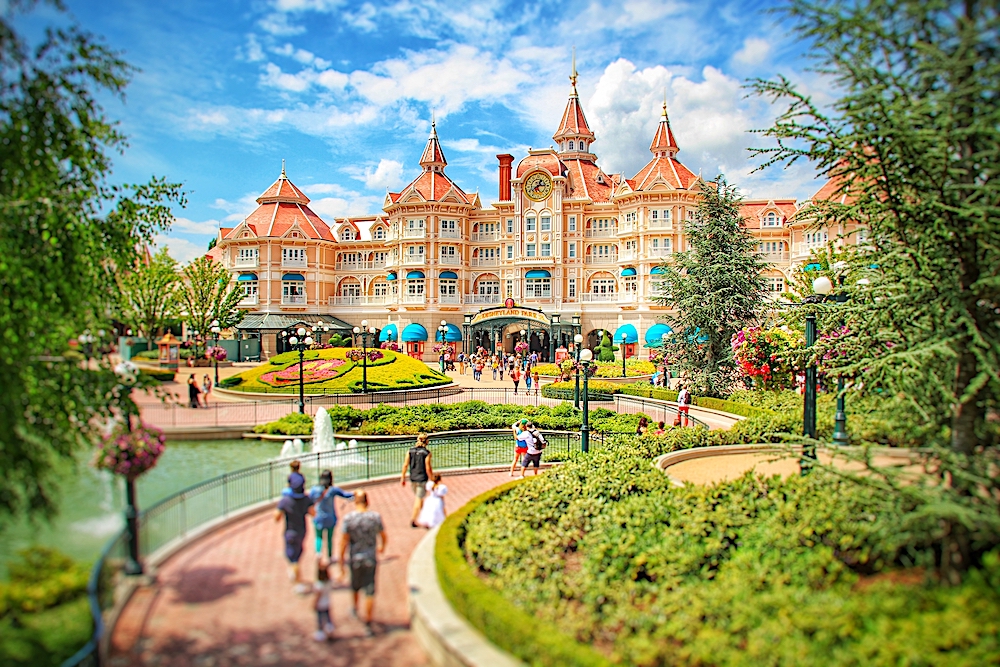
(294, 508)
(527, 381)
(643, 427)
(324, 496)
(535, 443)
(461, 363)
(417, 465)
(534, 380)
(193, 391)
(432, 512)
(520, 447)
(206, 389)
(363, 532)
(515, 377)
(495, 365)
(501, 364)
(321, 602)
(683, 405)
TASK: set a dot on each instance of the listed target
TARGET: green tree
(914, 143)
(206, 296)
(63, 231)
(715, 289)
(148, 294)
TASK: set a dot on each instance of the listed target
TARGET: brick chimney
(506, 160)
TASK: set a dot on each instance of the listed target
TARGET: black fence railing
(176, 517)
(656, 409)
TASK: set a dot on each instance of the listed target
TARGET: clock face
(538, 186)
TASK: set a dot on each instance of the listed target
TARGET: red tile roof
(573, 123)
(667, 168)
(433, 155)
(283, 190)
(584, 177)
(832, 190)
(433, 186)
(663, 140)
(753, 209)
(281, 206)
(547, 161)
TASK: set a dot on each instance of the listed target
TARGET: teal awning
(453, 335)
(448, 275)
(538, 273)
(391, 276)
(813, 267)
(631, 335)
(292, 276)
(657, 271)
(654, 335)
(388, 333)
(629, 271)
(415, 275)
(246, 277)
(414, 332)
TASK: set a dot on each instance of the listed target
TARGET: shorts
(293, 545)
(521, 451)
(532, 458)
(419, 488)
(363, 577)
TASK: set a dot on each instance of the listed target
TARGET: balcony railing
(361, 266)
(485, 236)
(249, 300)
(450, 259)
(449, 234)
(601, 233)
(661, 224)
(625, 229)
(628, 297)
(293, 263)
(246, 262)
(413, 299)
(627, 256)
(774, 257)
(659, 252)
(414, 259)
(601, 259)
(538, 259)
(538, 299)
(484, 261)
(802, 248)
(293, 300)
(450, 299)
(481, 299)
(414, 233)
(591, 297)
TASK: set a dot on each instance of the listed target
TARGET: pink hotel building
(572, 248)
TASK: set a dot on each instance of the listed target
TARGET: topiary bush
(293, 423)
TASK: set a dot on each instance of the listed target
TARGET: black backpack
(687, 398)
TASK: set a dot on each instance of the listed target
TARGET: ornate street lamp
(824, 287)
(301, 342)
(319, 329)
(442, 331)
(578, 342)
(216, 330)
(128, 374)
(624, 338)
(666, 370)
(364, 331)
(586, 356)
(467, 325)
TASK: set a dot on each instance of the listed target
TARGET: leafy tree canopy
(148, 294)
(206, 296)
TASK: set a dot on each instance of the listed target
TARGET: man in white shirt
(535, 443)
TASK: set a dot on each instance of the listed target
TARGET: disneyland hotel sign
(510, 313)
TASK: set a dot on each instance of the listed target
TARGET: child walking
(323, 496)
(321, 603)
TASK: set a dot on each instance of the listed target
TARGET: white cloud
(306, 5)
(240, 209)
(363, 18)
(252, 52)
(754, 52)
(329, 208)
(327, 188)
(187, 226)
(180, 249)
(332, 79)
(274, 77)
(388, 174)
(277, 24)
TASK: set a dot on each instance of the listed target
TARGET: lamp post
(585, 358)
(577, 341)
(443, 330)
(467, 325)
(300, 341)
(128, 373)
(319, 329)
(824, 287)
(555, 338)
(364, 331)
(216, 330)
(624, 338)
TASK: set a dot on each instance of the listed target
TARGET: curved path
(226, 599)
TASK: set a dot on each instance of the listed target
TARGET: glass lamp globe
(578, 339)
(586, 355)
(301, 331)
(293, 340)
(308, 340)
(364, 324)
(822, 285)
(357, 330)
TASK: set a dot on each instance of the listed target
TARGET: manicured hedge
(164, 375)
(487, 610)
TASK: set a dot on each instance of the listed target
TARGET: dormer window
(583, 146)
(571, 145)
(379, 234)
(771, 220)
(347, 234)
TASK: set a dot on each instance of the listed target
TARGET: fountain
(291, 448)
(322, 432)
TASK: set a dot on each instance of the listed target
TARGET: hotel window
(449, 287)
(571, 145)
(816, 238)
(546, 250)
(771, 220)
(775, 285)
(350, 288)
(415, 225)
(415, 287)
(545, 224)
(629, 283)
(538, 288)
(449, 227)
(415, 252)
(510, 287)
(379, 259)
(529, 223)
(510, 225)
(572, 250)
(571, 288)
(488, 288)
(486, 253)
(293, 291)
(510, 252)
(448, 252)
(602, 286)
(631, 216)
(246, 255)
(348, 234)
(690, 214)
(630, 245)
(572, 223)
(293, 255)
(603, 251)
(380, 288)
(379, 234)
(655, 215)
(583, 146)
(249, 289)
(529, 250)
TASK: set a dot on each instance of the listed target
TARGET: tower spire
(433, 157)
(664, 144)
(283, 168)
(573, 73)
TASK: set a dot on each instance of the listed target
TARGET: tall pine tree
(715, 288)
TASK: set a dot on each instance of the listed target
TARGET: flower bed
(334, 371)
(633, 368)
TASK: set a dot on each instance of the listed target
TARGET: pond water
(91, 502)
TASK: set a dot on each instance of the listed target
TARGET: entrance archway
(500, 328)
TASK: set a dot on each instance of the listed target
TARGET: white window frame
(545, 250)
(529, 250)
(530, 223)
(538, 288)
(571, 288)
(572, 250)
(571, 225)
(545, 223)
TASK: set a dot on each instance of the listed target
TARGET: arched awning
(628, 271)
(631, 335)
(654, 335)
(453, 335)
(538, 273)
(391, 276)
(414, 332)
(293, 276)
(657, 271)
(247, 277)
(415, 275)
(448, 275)
(388, 333)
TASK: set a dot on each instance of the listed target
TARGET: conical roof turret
(283, 190)
(664, 144)
(433, 157)
(573, 124)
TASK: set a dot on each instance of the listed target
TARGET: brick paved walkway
(226, 599)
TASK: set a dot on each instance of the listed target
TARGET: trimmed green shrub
(164, 375)
(230, 381)
(293, 423)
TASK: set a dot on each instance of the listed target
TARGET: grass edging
(489, 612)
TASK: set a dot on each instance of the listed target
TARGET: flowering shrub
(318, 370)
(766, 356)
(389, 345)
(130, 453)
(357, 355)
(216, 353)
(521, 346)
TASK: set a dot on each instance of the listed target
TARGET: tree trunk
(966, 415)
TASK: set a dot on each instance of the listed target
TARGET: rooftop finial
(665, 104)
(573, 75)
(283, 168)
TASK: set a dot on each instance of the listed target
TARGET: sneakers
(301, 589)
(328, 629)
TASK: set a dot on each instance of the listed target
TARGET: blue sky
(344, 92)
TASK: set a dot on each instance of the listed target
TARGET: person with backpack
(323, 496)
(418, 465)
(683, 405)
(535, 442)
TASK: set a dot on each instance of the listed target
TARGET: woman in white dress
(432, 513)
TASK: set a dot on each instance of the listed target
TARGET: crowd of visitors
(516, 366)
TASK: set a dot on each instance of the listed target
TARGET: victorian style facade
(565, 248)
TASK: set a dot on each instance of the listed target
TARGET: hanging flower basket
(521, 346)
(216, 353)
(130, 453)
